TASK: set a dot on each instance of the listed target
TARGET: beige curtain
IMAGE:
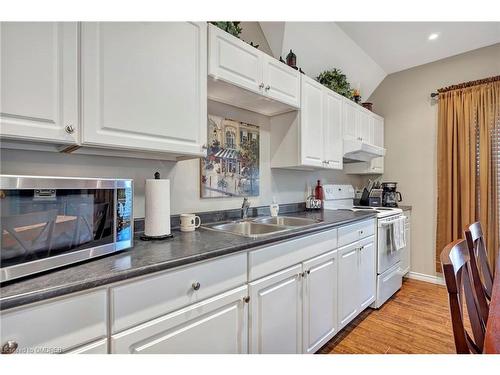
(468, 152)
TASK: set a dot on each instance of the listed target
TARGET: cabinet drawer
(56, 326)
(267, 260)
(97, 347)
(218, 325)
(356, 231)
(152, 297)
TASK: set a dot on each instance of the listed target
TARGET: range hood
(355, 150)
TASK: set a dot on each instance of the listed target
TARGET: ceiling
(397, 46)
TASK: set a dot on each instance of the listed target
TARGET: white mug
(188, 222)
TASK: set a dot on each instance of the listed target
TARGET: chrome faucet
(244, 208)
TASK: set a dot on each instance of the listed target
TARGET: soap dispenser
(274, 208)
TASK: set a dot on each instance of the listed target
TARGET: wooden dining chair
(479, 257)
(456, 269)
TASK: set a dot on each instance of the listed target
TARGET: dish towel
(399, 233)
(389, 238)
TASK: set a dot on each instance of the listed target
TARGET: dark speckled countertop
(148, 257)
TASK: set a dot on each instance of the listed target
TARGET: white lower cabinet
(348, 306)
(276, 312)
(216, 325)
(367, 274)
(319, 301)
(56, 326)
(357, 279)
(97, 347)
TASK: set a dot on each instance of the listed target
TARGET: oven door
(386, 257)
(47, 223)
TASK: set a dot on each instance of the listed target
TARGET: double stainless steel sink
(262, 226)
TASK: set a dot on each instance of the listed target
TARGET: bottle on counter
(318, 191)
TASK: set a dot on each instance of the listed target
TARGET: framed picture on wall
(231, 168)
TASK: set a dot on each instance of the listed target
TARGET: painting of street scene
(231, 168)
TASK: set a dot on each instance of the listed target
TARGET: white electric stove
(389, 275)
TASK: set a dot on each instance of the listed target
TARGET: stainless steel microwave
(49, 222)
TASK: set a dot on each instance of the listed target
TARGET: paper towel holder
(156, 238)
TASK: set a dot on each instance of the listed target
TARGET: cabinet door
(378, 131)
(350, 119)
(334, 145)
(39, 81)
(276, 312)
(348, 284)
(377, 164)
(364, 128)
(234, 61)
(406, 252)
(311, 121)
(367, 274)
(320, 301)
(218, 325)
(281, 82)
(145, 86)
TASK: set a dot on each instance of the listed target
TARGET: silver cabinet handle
(69, 129)
(196, 286)
(261, 86)
(267, 88)
(9, 347)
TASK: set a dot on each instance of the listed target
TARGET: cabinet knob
(267, 88)
(9, 347)
(261, 86)
(205, 147)
(246, 299)
(69, 129)
(196, 286)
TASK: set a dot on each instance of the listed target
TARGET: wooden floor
(415, 320)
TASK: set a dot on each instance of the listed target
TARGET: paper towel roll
(157, 221)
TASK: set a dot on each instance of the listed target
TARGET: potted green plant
(337, 81)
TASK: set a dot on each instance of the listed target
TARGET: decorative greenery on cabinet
(337, 81)
(231, 27)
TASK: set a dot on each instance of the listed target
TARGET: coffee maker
(390, 196)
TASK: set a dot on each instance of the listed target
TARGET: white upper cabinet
(144, 86)
(234, 61)
(311, 138)
(39, 81)
(375, 132)
(234, 65)
(333, 140)
(312, 118)
(281, 82)
(351, 119)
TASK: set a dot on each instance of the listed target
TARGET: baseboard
(434, 279)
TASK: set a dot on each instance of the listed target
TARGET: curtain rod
(435, 95)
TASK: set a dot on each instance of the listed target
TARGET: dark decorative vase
(291, 59)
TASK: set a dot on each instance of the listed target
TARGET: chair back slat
(456, 269)
(475, 239)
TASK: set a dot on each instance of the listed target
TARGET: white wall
(403, 98)
(321, 46)
(287, 186)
